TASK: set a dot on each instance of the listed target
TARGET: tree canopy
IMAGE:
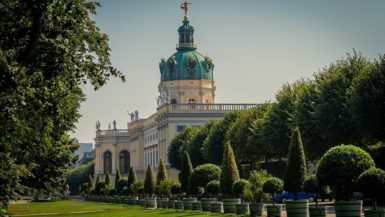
(47, 49)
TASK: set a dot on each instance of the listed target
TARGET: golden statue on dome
(184, 7)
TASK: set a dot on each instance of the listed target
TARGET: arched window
(191, 101)
(173, 101)
(107, 160)
(124, 162)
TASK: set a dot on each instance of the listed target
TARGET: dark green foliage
(214, 144)
(378, 154)
(340, 167)
(177, 147)
(117, 177)
(149, 181)
(195, 143)
(78, 176)
(229, 173)
(99, 187)
(334, 118)
(130, 179)
(275, 168)
(165, 187)
(372, 184)
(185, 172)
(176, 189)
(258, 147)
(90, 184)
(239, 187)
(257, 179)
(119, 187)
(296, 165)
(307, 120)
(203, 174)
(239, 132)
(311, 186)
(47, 50)
(107, 180)
(366, 101)
(97, 179)
(273, 186)
(137, 187)
(280, 120)
(162, 173)
(213, 187)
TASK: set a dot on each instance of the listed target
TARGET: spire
(186, 32)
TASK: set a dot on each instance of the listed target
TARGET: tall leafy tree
(366, 101)
(185, 172)
(162, 173)
(149, 181)
(230, 173)
(178, 146)
(336, 123)
(214, 144)
(195, 143)
(296, 165)
(239, 132)
(47, 49)
(258, 147)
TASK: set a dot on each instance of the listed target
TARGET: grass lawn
(88, 209)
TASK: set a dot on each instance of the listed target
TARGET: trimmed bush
(162, 173)
(131, 179)
(272, 186)
(203, 174)
(229, 173)
(149, 181)
(137, 187)
(165, 186)
(90, 184)
(296, 165)
(119, 187)
(311, 185)
(372, 184)
(340, 167)
(213, 187)
(239, 187)
(254, 191)
(185, 172)
(176, 189)
(99, 187)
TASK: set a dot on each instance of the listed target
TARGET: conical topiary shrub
(107, 180)
(229, 173)
(131, 179)
(149, 181)
(117, 177)
(162, 173)
(185, 172)
(90, 184)
(296, 165)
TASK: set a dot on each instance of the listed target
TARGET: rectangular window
(179, 128)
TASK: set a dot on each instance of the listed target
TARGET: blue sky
(256, 46)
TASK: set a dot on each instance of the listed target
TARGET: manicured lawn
(88, 209)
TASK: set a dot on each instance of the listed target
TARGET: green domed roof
(186, 63)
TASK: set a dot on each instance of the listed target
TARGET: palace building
(186, 98)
